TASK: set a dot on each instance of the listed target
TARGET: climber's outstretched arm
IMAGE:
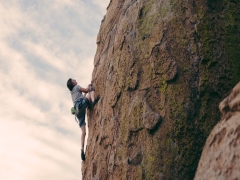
(85, 90)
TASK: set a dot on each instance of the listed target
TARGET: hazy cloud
(42, 44)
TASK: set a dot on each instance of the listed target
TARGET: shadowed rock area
(221, 154)
(161, 69)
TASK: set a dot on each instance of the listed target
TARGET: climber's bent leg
(91, 95)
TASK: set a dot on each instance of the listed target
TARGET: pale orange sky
(42, 44)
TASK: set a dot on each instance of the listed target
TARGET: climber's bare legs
(83, 128)
(91, 96)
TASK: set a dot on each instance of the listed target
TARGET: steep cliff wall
(161, 68)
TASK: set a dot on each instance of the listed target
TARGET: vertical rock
(181, 57)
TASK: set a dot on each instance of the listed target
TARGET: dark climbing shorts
(82, 111)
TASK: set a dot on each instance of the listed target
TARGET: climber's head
(71, 83)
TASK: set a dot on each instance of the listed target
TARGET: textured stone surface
(150, 118)
(179, 57)
(220, 158)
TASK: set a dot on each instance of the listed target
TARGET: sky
(42, 44)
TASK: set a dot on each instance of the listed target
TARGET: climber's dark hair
(70, 84)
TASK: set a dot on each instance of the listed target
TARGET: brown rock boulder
(220, 158)
(180, 58)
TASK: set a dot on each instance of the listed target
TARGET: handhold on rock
(232, 102)
(150, 118)
(103, 19)
(171, 70)
(137, 159)
(98, 38)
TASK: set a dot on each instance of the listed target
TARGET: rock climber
(80, 103)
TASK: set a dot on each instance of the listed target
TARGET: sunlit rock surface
(172, 61)
(221, 154)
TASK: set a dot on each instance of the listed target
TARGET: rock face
(221, 154)
(161, 68)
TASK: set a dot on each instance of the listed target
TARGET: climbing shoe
(95, 100)
(82, 155)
